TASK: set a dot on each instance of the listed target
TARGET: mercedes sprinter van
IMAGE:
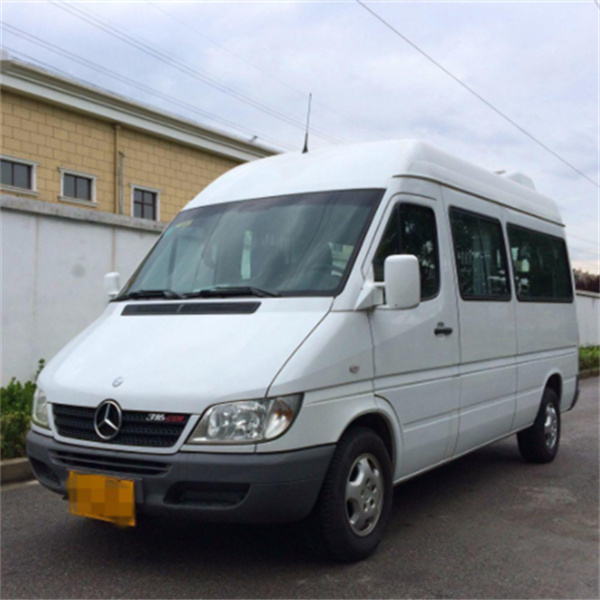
(311, 330)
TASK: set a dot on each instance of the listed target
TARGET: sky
(247, 67)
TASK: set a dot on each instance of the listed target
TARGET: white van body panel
(334, 367)
(337, 353)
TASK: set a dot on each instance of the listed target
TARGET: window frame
(395, 211)
(537, 299)
(33, 165)
(72, 200)
(507, 267)
(144, 188)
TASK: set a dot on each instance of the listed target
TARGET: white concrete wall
(54, 259)
(588, 314)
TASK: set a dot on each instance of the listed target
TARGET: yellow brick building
(69, 143)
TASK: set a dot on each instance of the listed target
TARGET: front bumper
(245, 488)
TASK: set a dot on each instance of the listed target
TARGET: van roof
(370, 165)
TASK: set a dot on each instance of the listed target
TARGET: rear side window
(540, 265)
(480, 256)
(412, 230)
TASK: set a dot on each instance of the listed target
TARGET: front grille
(109, 464)
(137, 430)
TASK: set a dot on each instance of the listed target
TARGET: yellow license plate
(101, 497)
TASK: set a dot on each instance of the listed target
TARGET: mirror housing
(112, 284)
(402, 281)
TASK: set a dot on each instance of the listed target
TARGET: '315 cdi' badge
(163, 418)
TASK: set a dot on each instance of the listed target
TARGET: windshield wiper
(142, 294)
(231, 292)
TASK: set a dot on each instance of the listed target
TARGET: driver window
(412, 230)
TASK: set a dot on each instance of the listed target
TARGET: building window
(145, 203)
(412, 230)
(540, 266)
(480, 256)
(78, 187)
(17, 173)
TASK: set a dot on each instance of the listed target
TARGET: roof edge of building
(32, 81)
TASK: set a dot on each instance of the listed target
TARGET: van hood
(181, 362)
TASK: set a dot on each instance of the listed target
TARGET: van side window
(540, 265)
(480, 256)
(412, 230)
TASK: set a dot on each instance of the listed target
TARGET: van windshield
(301, 244)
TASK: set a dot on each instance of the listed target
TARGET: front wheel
(539, 443)
(355, 502)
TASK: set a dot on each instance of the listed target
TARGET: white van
(311, 330)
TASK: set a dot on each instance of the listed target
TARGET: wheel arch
(378, 422)
(555, 383)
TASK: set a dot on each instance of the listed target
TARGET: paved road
(485, 526)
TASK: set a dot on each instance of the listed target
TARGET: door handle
(442, 330)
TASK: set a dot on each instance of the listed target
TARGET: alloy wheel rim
(364, 494)
(551, 426)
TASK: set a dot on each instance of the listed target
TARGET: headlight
(39, 412)
(248, 421)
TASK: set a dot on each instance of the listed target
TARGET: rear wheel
(356, 499)
(539, 443)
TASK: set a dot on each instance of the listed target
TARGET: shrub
(589, 357)
(14, 429)
(16, 397)
(15, 414)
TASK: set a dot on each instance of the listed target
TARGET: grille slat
(109, 464)
(72, 423)
(75, 411)
(150, 431)
(78, 422)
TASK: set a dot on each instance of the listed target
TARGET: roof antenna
(305, 149)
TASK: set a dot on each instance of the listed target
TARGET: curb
(15, 469)
(589, 373)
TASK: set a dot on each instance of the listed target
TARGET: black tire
(539, 443)
(337, 529)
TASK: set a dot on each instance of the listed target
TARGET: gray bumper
(248, 488)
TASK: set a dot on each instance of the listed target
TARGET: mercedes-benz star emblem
(118, 381)
(108, 419)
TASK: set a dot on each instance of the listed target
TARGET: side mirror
(402, 281)
(112, 284)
